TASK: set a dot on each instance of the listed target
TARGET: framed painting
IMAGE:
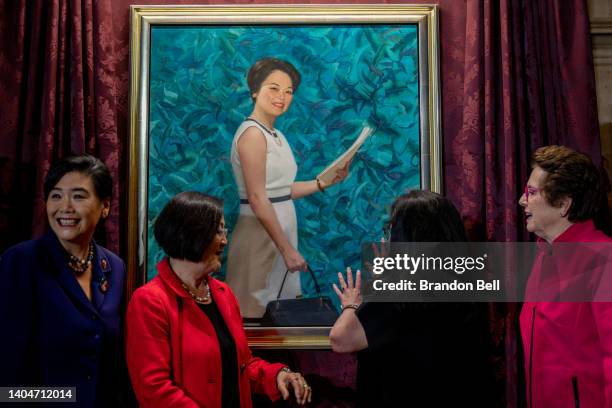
(360, 65)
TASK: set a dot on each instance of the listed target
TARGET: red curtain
(59, 95)
(516, 74)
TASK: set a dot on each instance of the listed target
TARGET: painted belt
(272, 199)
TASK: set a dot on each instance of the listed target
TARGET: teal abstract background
(351, 75)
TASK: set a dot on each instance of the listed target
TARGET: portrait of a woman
(265, 239)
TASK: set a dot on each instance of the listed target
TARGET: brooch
(104, 284)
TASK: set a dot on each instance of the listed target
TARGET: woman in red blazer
(185, 343)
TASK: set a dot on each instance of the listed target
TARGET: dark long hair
(459, 331)
(424, 216)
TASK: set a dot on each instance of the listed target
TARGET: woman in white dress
(265, 239)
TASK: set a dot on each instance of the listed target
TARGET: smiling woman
(265, 241)
(87, 209)
(566, 344)
(61, 294)
(185, 326)
(74, 210)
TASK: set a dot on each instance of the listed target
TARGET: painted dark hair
(84, 164)
(187, 225)
(264, 67)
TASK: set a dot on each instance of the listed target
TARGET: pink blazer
(568, 346)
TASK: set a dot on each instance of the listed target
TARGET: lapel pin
(104, 285)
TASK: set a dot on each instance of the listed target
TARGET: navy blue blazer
(53, 335)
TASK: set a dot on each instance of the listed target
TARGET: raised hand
(349, 292)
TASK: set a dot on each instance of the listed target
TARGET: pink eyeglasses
(530, 192)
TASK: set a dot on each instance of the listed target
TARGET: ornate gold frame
(143, 17)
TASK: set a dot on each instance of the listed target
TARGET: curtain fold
(58, 97)
(517, 74)
(525, 79)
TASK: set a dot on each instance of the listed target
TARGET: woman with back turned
(416, 354)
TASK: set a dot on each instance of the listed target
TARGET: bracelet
(284, 369)
(321, 189)
(352, 306)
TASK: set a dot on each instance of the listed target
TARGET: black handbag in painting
(317, 311)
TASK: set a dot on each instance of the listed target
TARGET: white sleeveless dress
(255, 267)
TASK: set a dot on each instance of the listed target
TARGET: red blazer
(172, 348)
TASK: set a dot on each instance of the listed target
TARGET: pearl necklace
(197, 298)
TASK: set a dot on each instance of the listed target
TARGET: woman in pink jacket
(185, 343)
(568, 346)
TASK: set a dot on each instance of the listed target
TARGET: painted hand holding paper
(338, 170)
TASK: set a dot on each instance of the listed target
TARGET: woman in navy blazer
(61, 295)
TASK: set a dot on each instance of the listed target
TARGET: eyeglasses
(223, 231)
(530, 191)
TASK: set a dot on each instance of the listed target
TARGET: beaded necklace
(197, 298)
(80, 266)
